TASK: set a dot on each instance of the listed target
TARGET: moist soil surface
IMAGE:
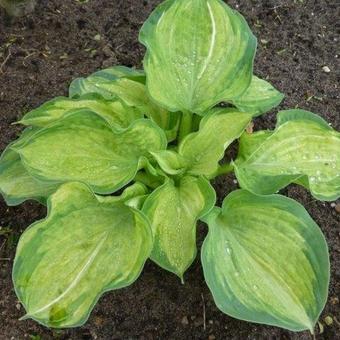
(40, 55)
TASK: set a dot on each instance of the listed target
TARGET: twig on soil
(5, 259)
(5, 61)
(204, 316)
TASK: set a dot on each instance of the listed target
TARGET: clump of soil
(39, 56)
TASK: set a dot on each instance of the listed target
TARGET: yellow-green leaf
(114, 111)
(82, 146)
(259, 98)
(128, 86)
(91, 84)
(199, 53)
(302, 145)
(83, 248)
(173, 210)
(205, 148)
(265, 260)
(16, 184)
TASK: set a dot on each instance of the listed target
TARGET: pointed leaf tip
(266, 261)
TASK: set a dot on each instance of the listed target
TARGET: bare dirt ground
(42, 53)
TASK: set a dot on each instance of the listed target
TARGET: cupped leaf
(298, 114)
(91, 84)
(205, 148)
(82, 146)
(114, 111)
(265, 260)
(134, 196)
(16, 184)
(171, 162)
(199, 53)
(259, 98)
(300, 146)
(173, 210)
(113, 84)
(83, 248)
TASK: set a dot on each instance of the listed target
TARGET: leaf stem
(185, 125)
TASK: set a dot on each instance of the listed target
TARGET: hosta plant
(124, 163)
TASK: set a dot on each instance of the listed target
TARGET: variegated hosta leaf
(134, 196)
(171, 162)
(83, 248)
(16, 184)
(83, 147)
(259, 98)
(114, 111)
(91, 84)
(130, 88)
(266, 261)
(199, 53)
(205, 148)
(173, 210)
(301, 146)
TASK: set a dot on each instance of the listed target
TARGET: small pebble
(198, 322)
(326, 69)
(334, 300)
(211, 322)
(333, 205)
(185, 321)
(212, 337)
(18, 306)
(337, 208)
(97, 37)
(328, 320)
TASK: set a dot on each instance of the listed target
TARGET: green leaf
(199, 53)
(83, 147)
(300, 115)
(91, 84)
(16, 184)
(114, 111)
(171, 162)
(83, 248)
(265, 260)
(299, 146)
(134, 196)
(259, 98)
(173, 210)
(114, 85)
(205, 148)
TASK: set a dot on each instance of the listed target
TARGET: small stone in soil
(198, 322)
(185, 321)
(326, 69)
(328, 320)
(212, 337)
(337, 208)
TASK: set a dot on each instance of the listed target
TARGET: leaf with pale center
(173, 211)
(130, 88)
(302, 145)
(199, 53)
(205, 148)
(91, 84)
(83, 248)
(114, 111)
(16, 184)
(82, 146)
(259, 98)
(265, 260)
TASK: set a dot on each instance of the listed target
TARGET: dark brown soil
(42, 53)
